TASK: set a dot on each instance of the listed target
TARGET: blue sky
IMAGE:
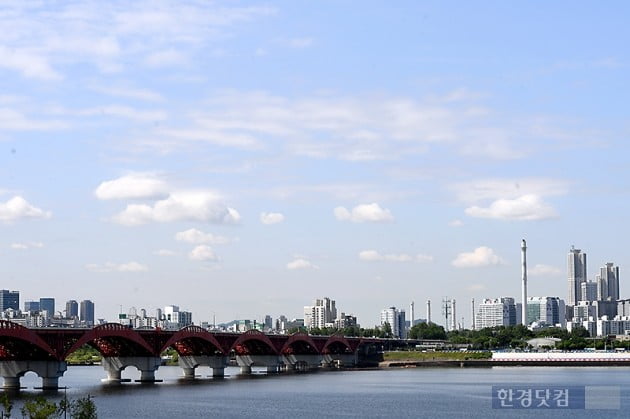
(243, 158)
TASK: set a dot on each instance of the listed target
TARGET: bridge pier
(340, 360)
(190, 362)
(48, 371)
(147, 365)
(302, 362)
(271, 362)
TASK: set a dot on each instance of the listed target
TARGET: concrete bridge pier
(303, 362)
(48, 371)
(271, 362)
(340, 360)
(190, 362)
(147, 365)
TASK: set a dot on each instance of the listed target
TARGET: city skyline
(240, 159)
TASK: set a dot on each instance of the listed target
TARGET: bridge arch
(20, 343)
(337, 345)
(195, 340)
(299, 343)
(254, 342)
(114, 339)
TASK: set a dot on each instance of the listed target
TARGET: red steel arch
(298, 337)
(194, 332)
(254, 336)
(16, 331)
(337, 339)
(111, 330)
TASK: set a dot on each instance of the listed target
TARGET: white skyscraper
(493, 312)
(321, 314)
(576, 274)
(396, 320)
(608, 282)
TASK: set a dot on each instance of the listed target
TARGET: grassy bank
(434, 356)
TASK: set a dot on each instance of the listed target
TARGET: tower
(524, 282)
(428, 311)
(453, 316)
(472, 307)
(576, 266)
(411, 314)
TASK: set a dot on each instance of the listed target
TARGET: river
(408, 392)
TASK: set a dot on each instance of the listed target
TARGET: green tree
(83, 408)
(387, 330)
(427, 331)
(7, 405)
(39, 408)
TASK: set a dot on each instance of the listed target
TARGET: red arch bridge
(44, 351)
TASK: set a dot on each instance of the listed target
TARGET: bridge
(44, 351)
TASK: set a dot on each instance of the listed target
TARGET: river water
(408, 392)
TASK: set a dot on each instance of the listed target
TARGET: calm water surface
(412, 392)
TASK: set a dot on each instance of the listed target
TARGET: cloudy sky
(243, 158)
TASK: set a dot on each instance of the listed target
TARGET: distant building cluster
(323, 313)
(43, 313)
(171, 318)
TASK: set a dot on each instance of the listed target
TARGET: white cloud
(424, 258)
(18, 208)
(199, 237)
(493, 189)
(374, 256)
(39, 40)
(271, 218)
(300, 263)
(117, 267)
(203, 206)
(300, 42)
(481, 256)
(29, 63)
(164, 252)
(29, 245)
(133, 186)
(203, 253)
(130, 93)
(364, 213)
(544, 270)
(456, 223)
(13, 120)
(525, 208)
(166, 58)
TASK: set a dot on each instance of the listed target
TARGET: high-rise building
(268, 322)
(9, 299)
(608, 282)
(576, 264)
(492, 312)
(322, 314)
(72, 309)
(86, 314)
(396, 320)
(545, 310)
(588, 291)
(31, 306)
(177, 317)
(47, 304)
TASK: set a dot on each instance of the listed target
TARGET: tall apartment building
(86, 314)
(47, 304)
(31, 306)
(545, 310)
(588, 291)
(72, 309)
(9, 299)
(321, 314)
(177, 317)
(608, 282)
(396, 320)
(492, 312)
(576, 266)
